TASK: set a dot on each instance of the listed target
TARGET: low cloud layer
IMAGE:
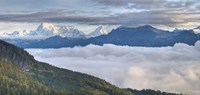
(173, 69)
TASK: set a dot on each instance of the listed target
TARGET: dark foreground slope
(21, 74)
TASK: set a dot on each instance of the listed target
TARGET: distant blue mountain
(56, 42)
(53, 42)
(146, 36)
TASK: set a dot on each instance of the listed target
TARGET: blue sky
(160, 13)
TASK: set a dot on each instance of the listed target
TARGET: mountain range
(46, 30)
(21, 74)
(146, 36)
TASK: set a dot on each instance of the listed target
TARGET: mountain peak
(46, 29)
(102, 30)
(46, 25)
(98, 31)
(70, 32)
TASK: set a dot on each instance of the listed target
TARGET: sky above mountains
(160, 13)
(179, 13)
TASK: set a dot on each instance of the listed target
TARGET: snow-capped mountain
(46, 30)
(16, 33)
(98, 31)
(70, 32)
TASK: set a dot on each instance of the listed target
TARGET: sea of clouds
(173, 69)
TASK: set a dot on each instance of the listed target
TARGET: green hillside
(21, 74)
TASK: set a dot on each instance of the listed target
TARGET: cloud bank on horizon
(173, 69)
(171, 13)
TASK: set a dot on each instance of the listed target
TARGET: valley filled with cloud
(173, 69)
(74, 35)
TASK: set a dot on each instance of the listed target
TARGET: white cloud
(173, 69)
